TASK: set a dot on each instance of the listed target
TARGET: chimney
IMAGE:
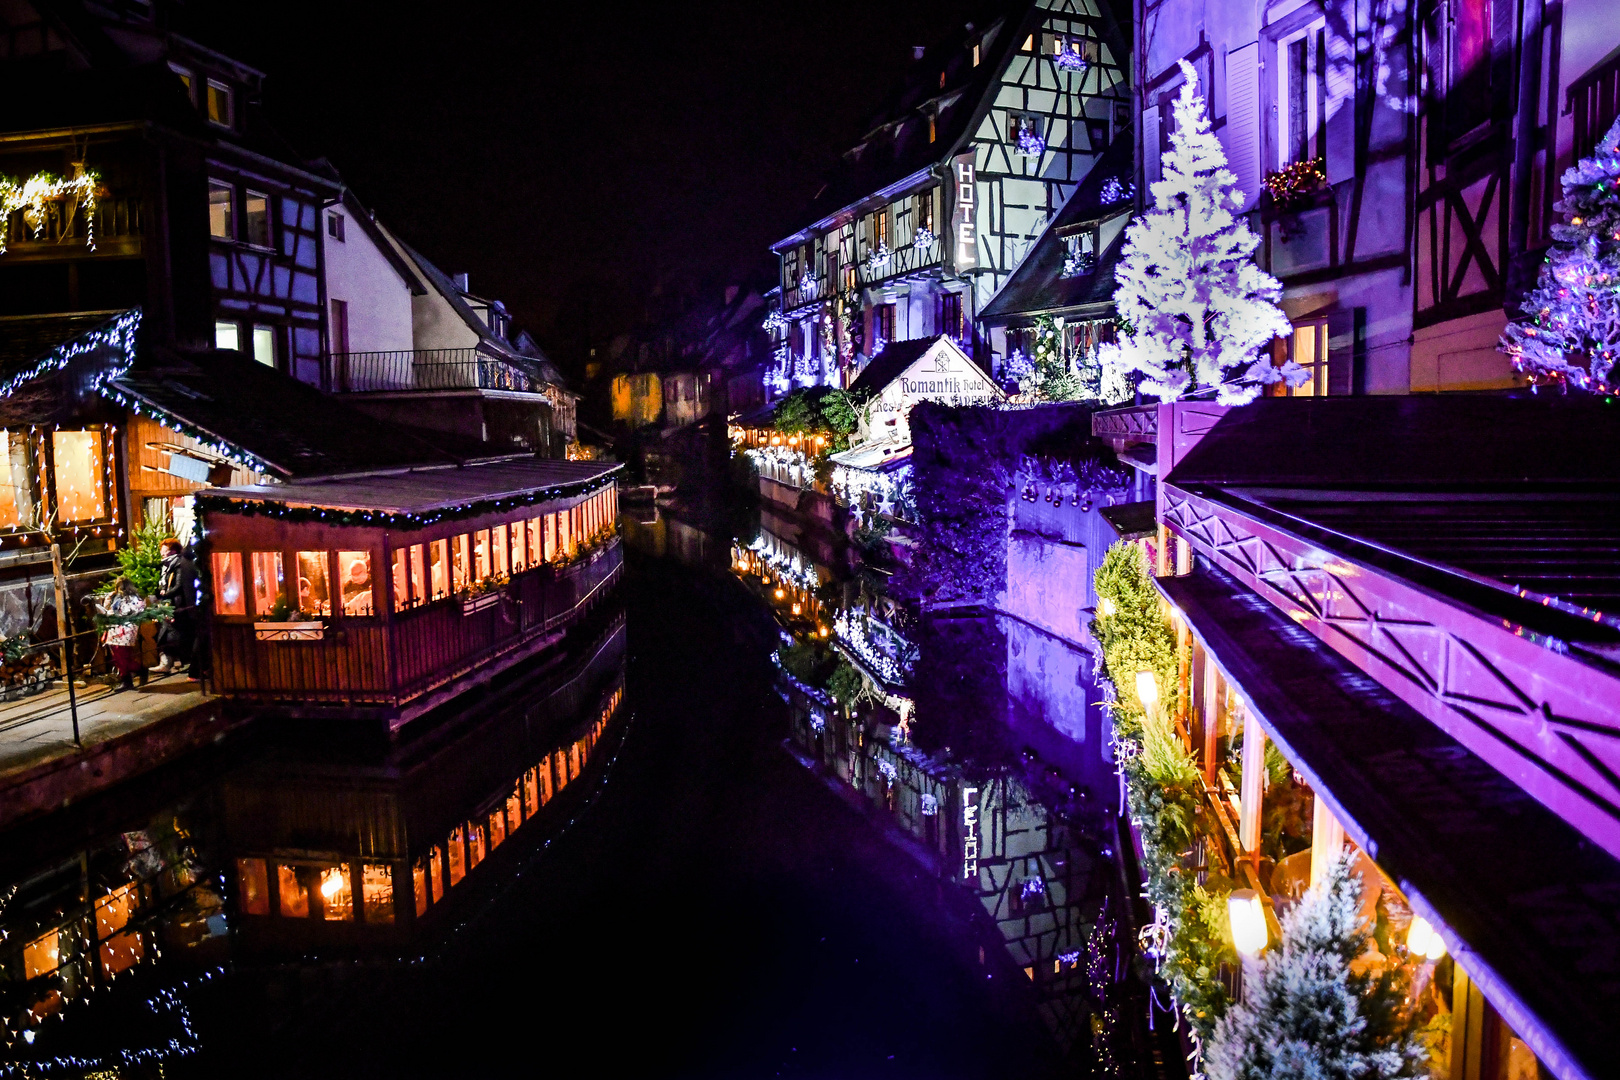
(460, 282)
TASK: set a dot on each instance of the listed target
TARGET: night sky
(571, 156)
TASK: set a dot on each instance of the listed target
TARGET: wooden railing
(1123, 427)
(1594, 99)
(65, 229)
(906, 260)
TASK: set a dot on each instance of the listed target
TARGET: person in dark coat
(177, 587)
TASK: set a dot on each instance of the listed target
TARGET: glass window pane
(481, 555)
(294, 889)
(253, 887)
(269, 589)
(314, 594)
(419, 882)
(42, 955)
(514, 810)
(436, 865)
(477, 845)
(458, 855)
(219, 103)
(549, 523)
(418, 575)
(439, 565)
(227, 335)
(264, 345)
(377, 892)
(114, 909)
(81, 477)
(230, 598)
(16, 483)
(221, 212)
(401, 581)
(460, 561)
(497, 827)
(256, 218)
(497, 551)
(520, 547)
(354, 576)
(337, 902)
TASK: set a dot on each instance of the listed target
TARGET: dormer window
(219, 104)
(975, 54)
(1026, 133)
(186, 79)
(334, 227)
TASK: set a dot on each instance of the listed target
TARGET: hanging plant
(32, 196)
(1293, 186)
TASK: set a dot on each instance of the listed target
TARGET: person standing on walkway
(177, 587)
(124, 604)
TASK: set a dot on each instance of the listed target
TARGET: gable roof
(1037, 285)
(361, 216)
(892, 362)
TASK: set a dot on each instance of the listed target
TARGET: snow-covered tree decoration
(1311, 1013)
(1570, 333)
(1196, 310)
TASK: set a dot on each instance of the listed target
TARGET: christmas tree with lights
(1194, 309)
(1570, 331)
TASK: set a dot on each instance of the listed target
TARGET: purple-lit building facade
(922, 221)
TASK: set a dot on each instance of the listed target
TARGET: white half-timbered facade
(927, 217)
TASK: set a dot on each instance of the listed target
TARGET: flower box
(470, 604)
(310, 630)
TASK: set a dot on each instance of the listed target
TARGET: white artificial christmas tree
(1570, 335)
(1194, 309)
(1312, 1014)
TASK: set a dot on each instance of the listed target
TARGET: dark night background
(571, 156)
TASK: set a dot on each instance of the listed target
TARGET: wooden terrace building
(385, 595)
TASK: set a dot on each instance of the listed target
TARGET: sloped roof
(26, 338)
(888, 364)
(423, 491)
(1037, 286)
(293, 428)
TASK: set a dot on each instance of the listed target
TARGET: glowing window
(114, 909)
(16, 481)
(439, 565)
(219, 104)
(458, 855)
(477, 844)
(294, 891)
(497, 828)
(497, 551)
(221, 210)
(256, 218)
(418, 574)
(481, 555)
(269, 589)
(264, 345)
(419, 881)
(253, 887)
(42, 955)
(436, 865)
(401, 580)
(536, 531)
(80, 475)
(354, 578)
(314, 590)
(230, 598)
(337, 902)
(460, 561)
(514, 810)
(120, 953)
(550, 526)
(520, 546)
(377, 892)
(227, 335)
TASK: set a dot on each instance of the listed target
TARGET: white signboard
(944, 374)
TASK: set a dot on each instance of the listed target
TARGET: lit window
(314, 591)
(269, 588)
(514, 810)
(457, 851)
(334, 227)
(439, 568)
(219, 104)
(460, 561)
(497, 828)
(337, 901)
(42, 955)
(256, 218)
(401, 580)
(80, 475)
(1307, 347)
(436, 865)
(1302, 95)
(520, 546)
(227, 335)
(477, 845)
(377, 892)
(293, 885)
(253, 887)
(264, 345)
(419, 882)
(497, 550)
(1029, 43)
(16, 483)
(354, 577)
(976, 55)
(481, 555)
(120, 953)
(418, 575)
(114, 909)
(230, 598)
(933, 131)
(186, 80)
(221, 211)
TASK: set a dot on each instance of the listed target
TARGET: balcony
(64, 231)
(910, 259)
(411, 370)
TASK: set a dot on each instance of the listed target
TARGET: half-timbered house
(924, 219)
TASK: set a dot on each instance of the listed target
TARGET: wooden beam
(1252, 786)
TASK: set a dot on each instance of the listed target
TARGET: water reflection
(302, 850)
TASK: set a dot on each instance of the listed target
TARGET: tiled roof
(425, 490)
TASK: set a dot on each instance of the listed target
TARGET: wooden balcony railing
(1594, 99)
(65, 230)
(425, 369)
(1124, 427)
(907, 260)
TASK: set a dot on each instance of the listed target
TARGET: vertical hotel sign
(970, 834)
(964, 211)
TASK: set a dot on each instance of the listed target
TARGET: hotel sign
(970, 834)
(964, 212)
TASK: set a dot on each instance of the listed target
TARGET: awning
(874, 456)
(1532, 908)
(1132, 521)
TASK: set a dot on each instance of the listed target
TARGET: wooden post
(1212, 720)
(1252, 786)
(1183, 680)
(64, 631)
(1327, 839)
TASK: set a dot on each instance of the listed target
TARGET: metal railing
(426, 369)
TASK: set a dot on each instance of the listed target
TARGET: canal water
(661, 854)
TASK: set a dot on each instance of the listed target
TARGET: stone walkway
(38, 729)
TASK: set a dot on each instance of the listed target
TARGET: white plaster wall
(437, 325)
(379, 299)
(1461, 354)
(1046, 585)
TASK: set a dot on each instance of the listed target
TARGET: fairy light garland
(118, 334)
(391, 519)
(31, 195)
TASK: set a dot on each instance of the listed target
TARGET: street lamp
(1147, 691)
(1248, 919)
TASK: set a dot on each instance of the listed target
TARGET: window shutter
(1150, 146)
(1240, 138)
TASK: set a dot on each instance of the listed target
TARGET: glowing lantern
(780, 594)
(1248, 917)
(1147, 691)
(1108, 607)
(1422, 940)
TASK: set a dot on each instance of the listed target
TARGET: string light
(31, 195)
